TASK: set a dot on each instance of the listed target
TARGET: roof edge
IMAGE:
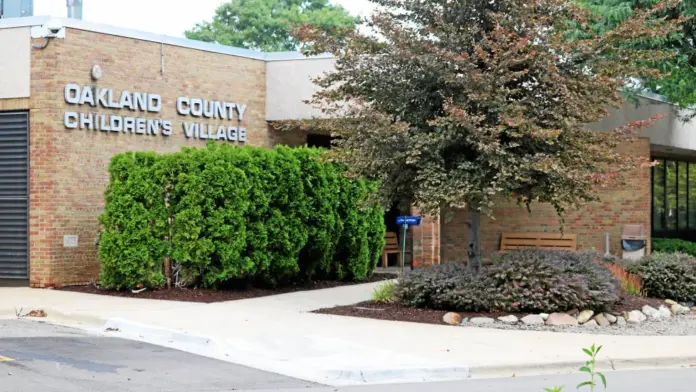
(164, 39)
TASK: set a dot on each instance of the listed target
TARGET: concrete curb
(53, 315)
(567, 367)
(394, 376)
(221, 350)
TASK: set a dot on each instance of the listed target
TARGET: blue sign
(408, 220)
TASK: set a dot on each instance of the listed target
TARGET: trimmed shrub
(207, 198)
(545, 280)
(667, 275)
(445, 287)
(673, 245)
(225, 214)
(134, 245)
(519, 281)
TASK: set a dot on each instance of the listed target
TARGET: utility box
(16, 8)
(633, 242)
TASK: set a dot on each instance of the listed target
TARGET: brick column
(426, 240)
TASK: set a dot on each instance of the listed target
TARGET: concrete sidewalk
(278, 334)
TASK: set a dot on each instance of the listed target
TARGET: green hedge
(227, 213)
(673, 245)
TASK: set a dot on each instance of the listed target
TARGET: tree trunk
(474, 261)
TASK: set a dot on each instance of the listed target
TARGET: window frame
(689, 228)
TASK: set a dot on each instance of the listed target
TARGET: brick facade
(68, 172)
(68, 168)
(629, 204)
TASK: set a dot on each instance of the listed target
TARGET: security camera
(54, 26)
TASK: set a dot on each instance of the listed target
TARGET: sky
(157, 16)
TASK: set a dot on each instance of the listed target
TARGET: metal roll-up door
(14, 195)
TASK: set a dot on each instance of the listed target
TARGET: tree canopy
(266, 24)
(678, 72)
(462, 103)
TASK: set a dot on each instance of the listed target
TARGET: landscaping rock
(651, 312)
(664, 312)
(678, 309)
(687, 304)
(620, 321)
(481, 320)
(669, 302)
(601, 320)
(612, 319)
(561, 319)
(573, 312)
(635, 317)
(532, 319)
(452, 318)
(509, 319)
(693, 308)
(584, 316)
(545, 316)
(591, 323)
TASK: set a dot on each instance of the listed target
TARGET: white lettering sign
(198, 108)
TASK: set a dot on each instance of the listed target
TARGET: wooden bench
(557, 241)
(391, 247)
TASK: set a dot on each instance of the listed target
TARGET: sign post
(405, 222)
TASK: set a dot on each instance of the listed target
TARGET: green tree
(266, 24)
(678, 75)
(463, 103)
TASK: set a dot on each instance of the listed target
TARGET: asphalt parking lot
(35, 356)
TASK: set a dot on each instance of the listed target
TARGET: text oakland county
(152, 103)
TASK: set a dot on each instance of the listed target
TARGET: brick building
(69, 103)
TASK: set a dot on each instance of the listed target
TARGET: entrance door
(14, 195)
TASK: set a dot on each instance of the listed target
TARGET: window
(658, 196)
(323, 141)
(673, 196)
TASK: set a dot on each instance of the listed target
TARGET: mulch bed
(210, 295)
(396, 312)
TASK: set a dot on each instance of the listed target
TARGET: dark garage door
(14, 195)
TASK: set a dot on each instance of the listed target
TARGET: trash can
(633, 242)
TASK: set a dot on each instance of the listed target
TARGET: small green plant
(384, 292)
(589, 368)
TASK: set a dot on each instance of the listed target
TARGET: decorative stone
(452, 318)
(601, 320)
(573, 312)
(610, 317)
(635, 317)
(651, 312)
(687, 304)
(481, 320)
(561, 319)
(591, 323)
(664, 312)
(532, 319)
(693, 308)
(508, 319)
(584, 316)
(669, 302)
(678, 309)
(545, 316)
(620, 321)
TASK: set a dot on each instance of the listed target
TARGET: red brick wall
(454, 236)
(68, 172)
(629, 204)
(425, 240)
